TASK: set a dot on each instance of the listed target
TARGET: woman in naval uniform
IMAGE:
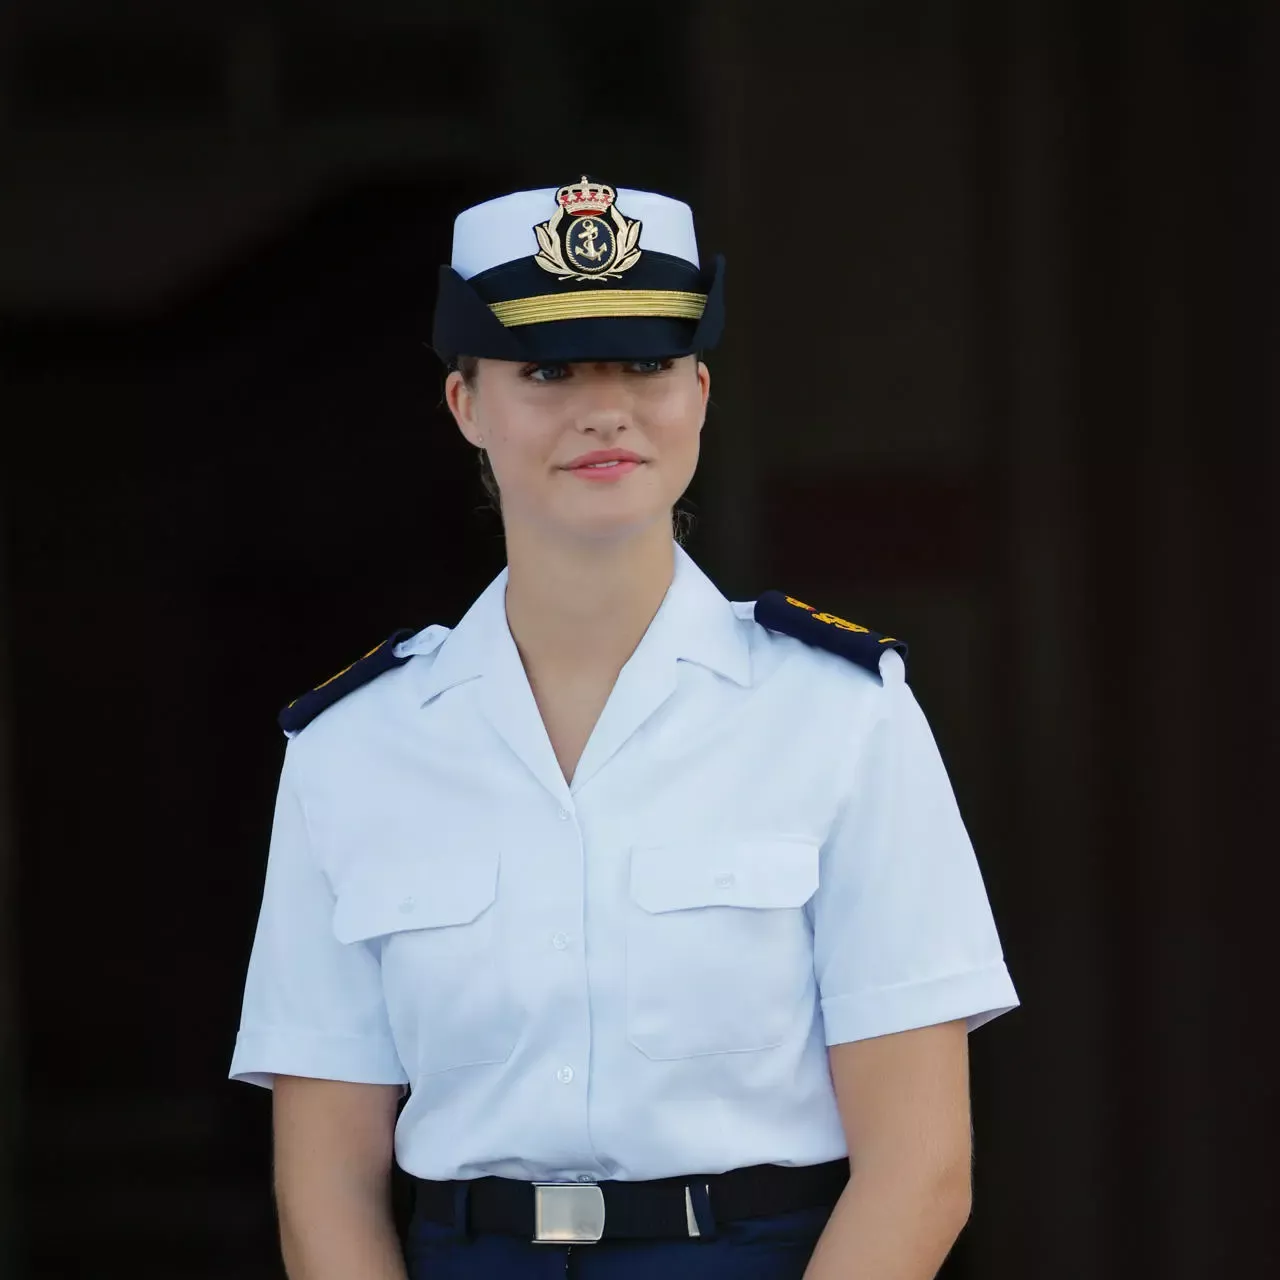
(626, 920)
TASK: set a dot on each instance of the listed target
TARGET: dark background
(1000, 377)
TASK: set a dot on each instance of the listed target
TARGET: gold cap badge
(587, 238)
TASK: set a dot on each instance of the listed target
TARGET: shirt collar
(702, 624)
(695, 623)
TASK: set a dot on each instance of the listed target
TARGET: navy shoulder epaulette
(302, 711)
(792, 617)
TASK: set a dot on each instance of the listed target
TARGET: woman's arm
(334, 1145)
(904, 1102)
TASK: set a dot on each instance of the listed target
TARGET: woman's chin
(619, 524)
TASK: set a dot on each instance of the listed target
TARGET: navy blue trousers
(760, 1249)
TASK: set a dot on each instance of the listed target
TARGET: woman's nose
(604, 408)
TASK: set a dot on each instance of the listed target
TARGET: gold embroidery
(569, 251)
(842, 623)
(833, 620)
(347, 668)
(582, 305)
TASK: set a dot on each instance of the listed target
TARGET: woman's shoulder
(354, 685)
(783, 630)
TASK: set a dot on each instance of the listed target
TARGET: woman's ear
(460, 396)
(704, 383)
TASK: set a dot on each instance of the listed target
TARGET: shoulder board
(793, 617)
(302, 711)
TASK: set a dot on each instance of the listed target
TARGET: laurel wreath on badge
(551, 258)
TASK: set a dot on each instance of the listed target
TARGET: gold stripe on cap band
(584, 304)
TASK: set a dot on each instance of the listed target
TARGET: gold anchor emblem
(586, 246)
(587, 238)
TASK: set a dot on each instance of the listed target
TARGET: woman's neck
(582, 610)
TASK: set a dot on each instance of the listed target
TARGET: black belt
(582, 1213)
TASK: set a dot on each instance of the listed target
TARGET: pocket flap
(761, 873)
(391, 897)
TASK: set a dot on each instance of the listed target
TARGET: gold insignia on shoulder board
(833, 620)
(587, 238)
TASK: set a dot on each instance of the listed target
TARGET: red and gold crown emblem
(585, 197)
(587, 238)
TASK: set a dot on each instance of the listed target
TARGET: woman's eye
(649, 366)
(546, 372)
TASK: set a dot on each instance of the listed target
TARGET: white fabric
(635, 976)
(501, 230)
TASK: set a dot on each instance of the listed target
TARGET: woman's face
(543, 425)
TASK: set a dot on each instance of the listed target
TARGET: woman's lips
(604, 472)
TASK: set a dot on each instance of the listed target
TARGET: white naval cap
(502, 230)
(576, 273)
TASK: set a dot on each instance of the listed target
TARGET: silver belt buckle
(568, 1213)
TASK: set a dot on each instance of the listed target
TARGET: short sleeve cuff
(978, 996)
(260, 1056)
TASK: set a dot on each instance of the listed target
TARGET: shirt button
(565, 1075)
(406, 905)
(585, 1177)
(725, 881)
(563, 815)
(560, 941)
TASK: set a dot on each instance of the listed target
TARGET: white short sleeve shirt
(636, 975)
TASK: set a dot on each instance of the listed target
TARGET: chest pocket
(433, 923)
(719, 950)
